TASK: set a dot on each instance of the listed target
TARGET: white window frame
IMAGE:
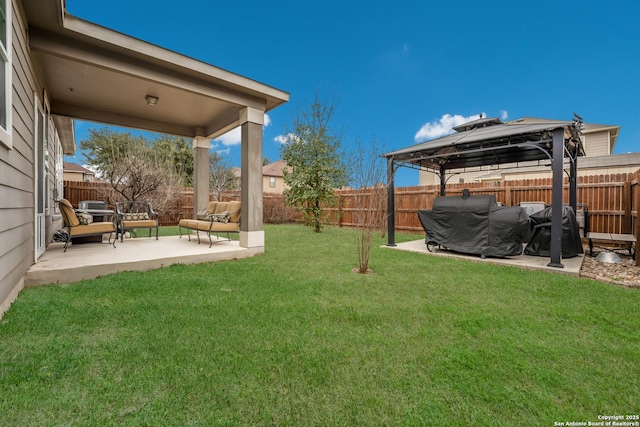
(272, 181)
(5, 57)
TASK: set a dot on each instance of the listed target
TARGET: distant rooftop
(274, 169)
(73, 167)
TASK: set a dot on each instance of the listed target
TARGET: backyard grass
(294, 337)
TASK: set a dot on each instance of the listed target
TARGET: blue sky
(404, 72)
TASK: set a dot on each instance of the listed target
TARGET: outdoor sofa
(216, 218)
(132, 215)
(82, 225)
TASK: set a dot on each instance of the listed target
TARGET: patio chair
(85, 227)
(132, 215)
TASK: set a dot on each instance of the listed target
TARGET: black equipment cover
(475, 225)
(540, 242)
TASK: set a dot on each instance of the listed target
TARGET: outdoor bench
(82, 225)
(132, 215)
(218, 217)
(628, 241)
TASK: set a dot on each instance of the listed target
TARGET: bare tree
(221, 176)
(368, 171)
(142, 175)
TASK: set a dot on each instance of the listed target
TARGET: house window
(272, 181)
(5, 73)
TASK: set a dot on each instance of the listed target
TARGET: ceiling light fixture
(151, 100)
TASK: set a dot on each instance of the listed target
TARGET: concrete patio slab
(90, 260)
(571, 267)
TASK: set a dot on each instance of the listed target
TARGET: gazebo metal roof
(489, 141)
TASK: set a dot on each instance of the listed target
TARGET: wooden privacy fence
(612, 200)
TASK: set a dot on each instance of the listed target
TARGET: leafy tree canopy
(314, 155)
(104, 149)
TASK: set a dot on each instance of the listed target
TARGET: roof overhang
(96, 74)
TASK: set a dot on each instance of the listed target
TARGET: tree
(142, 175)
(314, 156)
(178, 151)
(370, 213)
(136, 168)
(221, 176)
(104, 148)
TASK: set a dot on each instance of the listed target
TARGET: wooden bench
(218, 217)
(627, 240)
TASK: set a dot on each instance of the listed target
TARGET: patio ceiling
(93, 73)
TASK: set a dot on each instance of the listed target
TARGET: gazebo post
(573, 183)
(391, 203)
(556, 198)
(443, 181)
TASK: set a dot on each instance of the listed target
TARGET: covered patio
(91, 260)
(98, 75)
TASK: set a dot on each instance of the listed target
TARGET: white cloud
(283, 139)
(504, 115)
(442, 127)
(234, 137)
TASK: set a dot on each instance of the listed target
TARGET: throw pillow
(132, 216)
(221, 217)
(84, 218)
(203, 214)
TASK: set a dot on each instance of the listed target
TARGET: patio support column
(443, 181)
(251, 230)
(201, 147)
(573, 183)
(391, 203)
(556, 198)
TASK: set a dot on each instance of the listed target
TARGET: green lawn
(294, 337)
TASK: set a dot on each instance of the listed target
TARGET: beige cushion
(234, 208)
(211, 207)
(68, 213)
(221, 207)
(224, 226)
(93, 228)
(139, 223)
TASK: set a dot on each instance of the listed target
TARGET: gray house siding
(17, 171)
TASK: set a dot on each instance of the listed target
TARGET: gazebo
(489, 141)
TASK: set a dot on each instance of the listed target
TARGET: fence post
(626, 194)
(636, 223)
(507, 196)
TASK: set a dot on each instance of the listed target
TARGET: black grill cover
(540, 242)
(475, 225)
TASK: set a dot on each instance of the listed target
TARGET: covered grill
(475, 225)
